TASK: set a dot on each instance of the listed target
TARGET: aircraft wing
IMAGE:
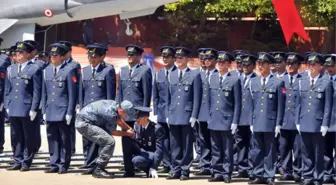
(6, 23)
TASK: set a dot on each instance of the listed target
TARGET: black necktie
(245, 79)
(180, 76)
(207, 76)
(20, 67)
(93, 72)
(55, 72)
(264, 83)
(220, 81)
(331, 78)
(167, 73)
(312, 83)
(291, 81)
(130, 73)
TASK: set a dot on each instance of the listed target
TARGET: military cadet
(75, 65)
(236, 64)
(59, 93)
(304, 64)
(280, 65)
(146, 148)
(4, 63)
(23, 95)
(224, 105)
(135, 85)
(243, 137)
(330, 163)
(313, 118)
(268, 99)
(98, 83)
(203, 117)
(161, 83)
(290, 139)
(184, 99)
(97, 122)
(43, 56)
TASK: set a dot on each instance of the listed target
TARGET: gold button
(243, 106)
(179, 89)
(16, 90)
(290, 88)
(178, 103)
(262, 97)
(17, 83)
(244, 94)
(262, 111)
(179, 97)
(290, 95)
(262, 104)
(92, 93)
(310, 97)
(217, 101)
(289, 101)
(217, 108)
(53, 86)
(53, 93)
(309, 103)
(16, 97)
(288, 108)
(93, 86)
(218, 94)
(52, 100)
(308, 110)
(243, 99)
(205, 95)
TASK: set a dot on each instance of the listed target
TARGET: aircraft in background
(19, 17)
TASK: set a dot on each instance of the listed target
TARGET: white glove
(277, 130)
(153, 173)
(7, 110)
(68, 119)
(77, 111)
(251, 128)
(324, 130)
(32, 115)
(298, 129)
(44, 117)
(192, 121)
(234, 128)
(1, 107)
(167, 120)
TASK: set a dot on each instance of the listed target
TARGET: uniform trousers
(197, 142)
(2, 130)
(243, 147)
(330, 159)
(23, 135)
(73, 135)
(166, 146)
(59, 141)
(126, 142)
(181, 144)
(100, 137)
(37, 122)
(205, 145)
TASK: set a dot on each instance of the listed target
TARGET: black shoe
(11, 162)
(164, 170)
(51, 170)
(307, 183)
(129, 174)
(24, 169)
(89, 171)
(217, 178)
(82, 167)
(251, 177)
(286, 178)
(197, 159)
(227, 180)
(101, 173)
(184, 178)
(270, 182)
(241, 175)
(317, 183)
(297, 178)
(329, 181)
(14, 168)
(258, 181)
(1, 151)
(203, 172)
(62, 171)
(172, 176)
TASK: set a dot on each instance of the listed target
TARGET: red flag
(290, 20)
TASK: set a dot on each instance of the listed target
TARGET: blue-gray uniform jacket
(332, 126)
(185, 97)
(225, 102)
(268, 104)
(102, 113)
(59, 92)
(137, 88)
(151, 140)
(292, 93)
(314, 104)
(160, 96)
(204, 109)
(101, 86)
(23, 90)
(246, 108)
(75, 65)
(4, 63)
(41, 64)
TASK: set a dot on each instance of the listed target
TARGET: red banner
(290, 20)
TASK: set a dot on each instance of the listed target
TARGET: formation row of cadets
(217, 103)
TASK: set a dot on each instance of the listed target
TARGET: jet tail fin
(6, 23)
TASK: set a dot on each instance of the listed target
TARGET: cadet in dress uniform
(59, 94)
(243, 137)
(237, 67)
(23, 88)
(146, 148)
(268, 100)
(330, 163)
(224, 105)
(4, 63)
(161, 84)
(75, 65)
(97, 122)
(43, 56)
(98, 83)
(203, 117)
(135, 85)
(184, 101)
(290, 139)
(313, 118)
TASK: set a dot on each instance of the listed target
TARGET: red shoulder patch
(283, 90)
(3, 75)
(74, 79)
